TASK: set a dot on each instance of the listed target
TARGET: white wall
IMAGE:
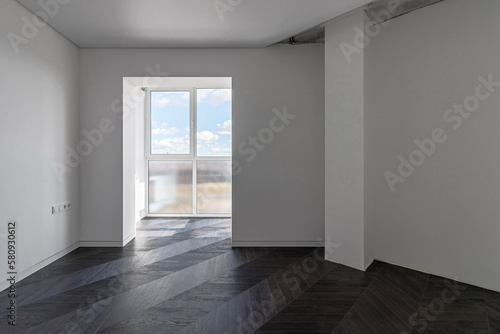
(130, 149)
(445, 218)
(278, 197)
(344, 147)
(39, 118)
(139, 159)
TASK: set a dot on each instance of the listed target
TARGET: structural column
(344, 148)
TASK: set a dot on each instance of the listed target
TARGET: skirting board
(278, 243)
(101, 244)
(31, 270)
(128, 239)
(108, 243)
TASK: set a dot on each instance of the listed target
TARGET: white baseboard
(277, 243)
(31, 270)
(108, 243)
(128, 239)
(101, 243)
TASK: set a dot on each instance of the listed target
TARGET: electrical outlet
(61, 207)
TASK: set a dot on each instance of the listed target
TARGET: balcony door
(188, 152)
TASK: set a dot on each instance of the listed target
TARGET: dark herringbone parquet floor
(182, 276)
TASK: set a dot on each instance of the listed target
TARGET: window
(188, 151)
(170, 122)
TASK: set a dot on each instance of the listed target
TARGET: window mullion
(194, 135)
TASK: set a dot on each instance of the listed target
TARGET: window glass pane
(170, 119)
(213, 188)
(170, 187)
(213, 122)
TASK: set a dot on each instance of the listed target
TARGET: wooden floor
(182, 276)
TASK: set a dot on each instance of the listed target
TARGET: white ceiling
(187, 23)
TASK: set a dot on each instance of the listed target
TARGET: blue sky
(170, 122)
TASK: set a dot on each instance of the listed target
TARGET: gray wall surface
(344, 147)
(39, 121)
(445, 217)
(278, 195)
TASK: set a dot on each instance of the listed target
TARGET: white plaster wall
(278, 197)
(344, 145)
(39, 120)
(445, 217)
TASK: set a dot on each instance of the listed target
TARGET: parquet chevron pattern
(182, 276)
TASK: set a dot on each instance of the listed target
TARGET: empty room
(250, 166)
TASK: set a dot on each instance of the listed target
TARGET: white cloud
(202, 94)
(214, 97)
(224, 128)
(225, 151)
(207, 136)
(212, 149)
(209, 145)
(175, 99)
(166, 131)
(160, 103)
(171, 145)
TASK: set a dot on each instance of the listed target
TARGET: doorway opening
(180, 168)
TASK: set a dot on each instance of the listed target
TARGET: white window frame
(192, 156)
(192, 136)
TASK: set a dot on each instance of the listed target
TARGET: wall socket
(61, 207)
